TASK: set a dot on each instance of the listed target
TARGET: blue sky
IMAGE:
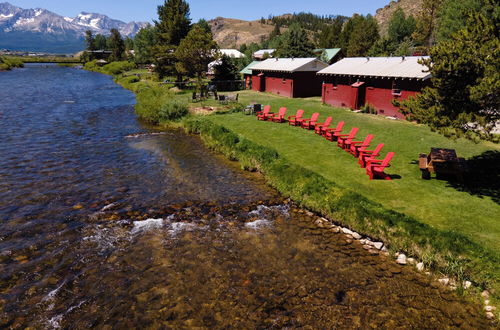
(145, 10)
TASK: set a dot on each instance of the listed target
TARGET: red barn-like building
(291, 77)
(354, 82)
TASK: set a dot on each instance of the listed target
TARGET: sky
(145, 10)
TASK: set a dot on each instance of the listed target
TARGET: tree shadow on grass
(483, 177)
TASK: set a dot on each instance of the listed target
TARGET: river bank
(441, 250)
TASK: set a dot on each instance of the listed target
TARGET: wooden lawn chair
(331, 133)
(280, 116)
(366, 155)
(297, 119)
(308, 123)
(342, 138)
(319, 128)
(354, 146)
(375, 167)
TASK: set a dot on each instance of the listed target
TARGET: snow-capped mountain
(41, 30)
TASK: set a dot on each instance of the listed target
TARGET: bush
(369, 108)
(173, 110)
(150, 100)
(115, 68)
(92, 66)
(7, 63)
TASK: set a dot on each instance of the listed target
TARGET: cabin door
(358, 95)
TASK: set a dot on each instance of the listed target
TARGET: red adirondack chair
(280, 116)
(342, 138)
(375, 167)
(320, 127)
(266, 108)
(365, 155)
(297, 119)
(355, 145)
(331, 133)
(308, 123)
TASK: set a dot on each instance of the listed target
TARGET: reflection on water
(100, 225)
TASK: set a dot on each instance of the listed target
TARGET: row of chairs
(359, 149)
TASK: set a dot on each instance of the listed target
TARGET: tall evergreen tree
(400, 27)
(452, 16)
(363, 37)
(117, 45)
(172, 26)
(90, 40)
(173, 22)
(225, 69)
(330, 35)
(144, 42)
(195, 52)
(296, 43)
(424, 34)
(465, 92)
(101, 42)
(204, 25)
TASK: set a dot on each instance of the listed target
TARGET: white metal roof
(232, 53)
(310, 64)
(263, 51)
(393, 67)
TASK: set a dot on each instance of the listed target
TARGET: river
(106, 222)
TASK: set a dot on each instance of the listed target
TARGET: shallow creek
(107, 223)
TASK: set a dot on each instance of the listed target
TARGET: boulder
(401, 259)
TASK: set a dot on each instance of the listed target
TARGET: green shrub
(173, 110)
(368, 108)
(7, 63)
(92, 66)
(115, 68)
(150, 101)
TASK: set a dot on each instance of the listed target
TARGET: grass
(432, 202)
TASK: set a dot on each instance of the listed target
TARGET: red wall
(297, 84)
(337, 91)
(338, 96)
(280, 85)
(256, 83)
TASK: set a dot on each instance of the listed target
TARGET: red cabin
(290, 77)
(355, 82)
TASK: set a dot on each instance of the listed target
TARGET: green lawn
(433, 202)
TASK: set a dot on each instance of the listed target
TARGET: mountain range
(40, 30)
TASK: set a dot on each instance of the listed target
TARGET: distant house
(263, 54)
(247, 74)
(354, 82)
(329, 55)
(291, 77)
(232, 53)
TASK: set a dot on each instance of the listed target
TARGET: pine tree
(195, 52)
(117, 45)
(465, 92)
(101, 42)
(424, 34)
(400, 27)
(225, 69)
(363, 37)
(330, 35)
(452, 16)
(172, 26)
(296, 43)
(144, 42)
(90, 40)
(173, 22)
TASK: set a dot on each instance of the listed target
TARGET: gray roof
(310, 64)
(391, 67)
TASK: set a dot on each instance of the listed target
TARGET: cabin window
(396, 90)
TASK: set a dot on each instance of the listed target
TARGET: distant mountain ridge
(409, 7)
(40, 30)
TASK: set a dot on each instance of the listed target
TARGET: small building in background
(329, 55)
(247, 74)
(263, 54)
(234, 53)
(290, 77)
(358, 81)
